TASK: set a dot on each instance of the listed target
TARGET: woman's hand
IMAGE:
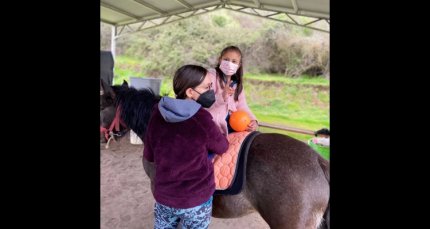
(252, 126)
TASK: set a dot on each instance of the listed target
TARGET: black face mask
(206, 99)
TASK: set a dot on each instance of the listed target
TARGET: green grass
(283, 120)
(301, 102)
(167, 88)
(302, 80)
(126, 67)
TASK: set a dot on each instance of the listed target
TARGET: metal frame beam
(165, 21)
(180, 11)
(113, 42)
(107, 22)
(275, 8)
(245, 4)
(292, 19)
(294, 22)
(294, 10)
(316, 20)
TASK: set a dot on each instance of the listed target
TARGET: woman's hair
(238, 76)
(187, 76)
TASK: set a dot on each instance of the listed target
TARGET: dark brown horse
(287, 182)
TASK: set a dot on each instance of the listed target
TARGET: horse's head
(108, 123)
(135, 106)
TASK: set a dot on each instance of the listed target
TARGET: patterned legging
(191, 218)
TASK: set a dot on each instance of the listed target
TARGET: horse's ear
(124, 84)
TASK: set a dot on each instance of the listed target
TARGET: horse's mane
(136, 107)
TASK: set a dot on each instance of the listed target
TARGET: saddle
(230, 167)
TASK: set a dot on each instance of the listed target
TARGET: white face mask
(228, 68)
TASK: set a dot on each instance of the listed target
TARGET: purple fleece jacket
(179, 136)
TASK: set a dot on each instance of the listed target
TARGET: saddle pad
(225, 164)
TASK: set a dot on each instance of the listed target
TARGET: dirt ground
(126, 198)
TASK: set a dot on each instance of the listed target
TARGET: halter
(115, 124)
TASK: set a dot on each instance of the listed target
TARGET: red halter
(115, 124)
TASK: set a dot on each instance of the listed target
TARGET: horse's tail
(136, 107)
(325, 166)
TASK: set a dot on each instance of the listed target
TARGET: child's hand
(252, 126)
(229, 90)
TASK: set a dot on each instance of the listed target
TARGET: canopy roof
(134, 15)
